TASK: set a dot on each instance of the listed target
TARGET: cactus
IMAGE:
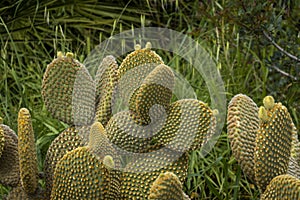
(143, 82)
(155, 90)
(282, 187)
(89, 170)
(27, 152)
(264, 141)
(18, 162)
(139, 174)
(79, 174)
(67, 141)
(87, 160)
(242, 134)
(79, 90)
(106, 83)
(273, 145)
(9, 160)
(167, 186)
(68, 90)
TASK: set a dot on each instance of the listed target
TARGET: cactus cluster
(265, 143)
(140, 152)
(137, 153)
(18, 166)
(153, 129)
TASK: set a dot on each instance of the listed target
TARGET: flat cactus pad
(69, 91)
(283, 187)
(27, 152)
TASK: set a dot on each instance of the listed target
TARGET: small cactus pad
(282, 187)
(68, 91)
(273, 145)
(242, 126)
(27, 152)
(189, 125)
(80, 175)
(167, 186)
(139, 174)
(156, 89)
(100, 146)
(9, 161)
(106, 82)
(124, 131)
(67, 141)
(140, 57)
(134, 69)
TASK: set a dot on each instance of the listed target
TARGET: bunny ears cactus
(18, 166)
(151, 123)
(262, 140)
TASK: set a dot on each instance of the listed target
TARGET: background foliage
(239, 35)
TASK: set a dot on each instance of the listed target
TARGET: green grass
(31, 33)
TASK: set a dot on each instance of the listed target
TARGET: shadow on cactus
(264, 141)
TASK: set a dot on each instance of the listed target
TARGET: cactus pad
(67, 141)
(166, 186)
(242, 126)
(273, 145)
(101, 147)
(189, 125)
(134, 69)
(81, 175)
(124, 131)
(68, 91)
(140, 57)
(106, 82)
(27, 152)
(9, 161)
(144, 170)
(156, 89)
(282, 187)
